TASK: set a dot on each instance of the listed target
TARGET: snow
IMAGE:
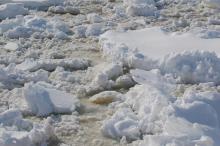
(12, 10)
(35, 4)
(192, 67)
(51, 64)
(63, 10)
(94, 29)
(140, 7)
(11, 46)
(25, 27)
(14, 117)
(103, 77)
(146, 42)
(152, 111)
(94, 18)
(193, 62)
(44, 100)
(16, 131)
(212, 3)
(157, 83)
(10, 77)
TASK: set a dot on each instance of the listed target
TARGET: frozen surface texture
(25, 27)
(109, 72)
(161, 118)
(11, 10)
(43, 100)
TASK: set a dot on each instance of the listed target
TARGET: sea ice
(43, 100)
(24, 27)
(35, 4)
(11, 10)
(151, 112)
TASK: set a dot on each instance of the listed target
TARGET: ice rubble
(11, 46)
(35, 4)
(26, 26)
(191, 62)
(140, 7)
(63, 10)
(151, 113)
(42, 99)
(103, 78)
(90, 30)
(145, 41)
(94, 18)
(10, 77)
(212, 3)
(51, 64)
(16, 131)
(11, 10)
(192, 67)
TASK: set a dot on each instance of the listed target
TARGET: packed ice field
(109, 72)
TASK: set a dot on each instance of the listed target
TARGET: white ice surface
(11, 10)
(16, 131)
(26, 26)
(213, 3)
(43, 100)
(186, 57)
(140, 7)
(155, 43)
(152, 111)
(35, 4)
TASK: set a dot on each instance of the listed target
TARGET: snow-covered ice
(43, 100)
(24, 27)
(106, 72)
(51, 64)
(152, 111)
(16, 131)
(193, 62)
(212, 3)
(35, 4)
(11, 10)
(140, 7)
(155, 43)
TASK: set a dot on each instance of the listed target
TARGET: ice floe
(105, 97)
(43, 100)
(140, 7)
(197, 60)
(12, 10)
(155, 43)
(35, 4)
(24, 27)
(16, 131)
(51, 64)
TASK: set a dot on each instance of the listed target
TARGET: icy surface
(151, 79)
(16, 131)
(140, 7)
(43, 100)
(24, 27)
(150, 110)
(213, 3)
(11, 10)
(146, 42)
(35, 4)
(193, 62)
